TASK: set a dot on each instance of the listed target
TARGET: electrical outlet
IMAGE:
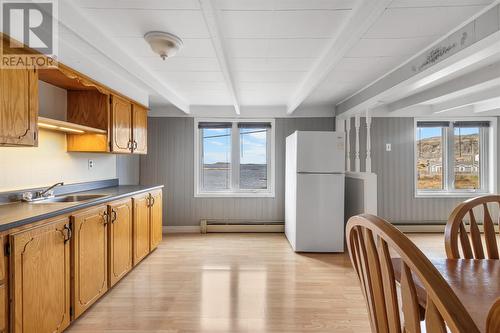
(91, 164)
(388, 147)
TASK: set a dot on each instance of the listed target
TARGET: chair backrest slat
(433, 321)
(389, 286)
(475, 236)
(456, 233)
(371, 241)
(376, 281)
(367, 283)
(410, 301)
(489, 234)
(464, 241)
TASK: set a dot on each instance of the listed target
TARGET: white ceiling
(270, 46)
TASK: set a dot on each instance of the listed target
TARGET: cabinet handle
(129, 144)
(69, 233)
(135, 145)
(113, 219)
(152, 203)
(105, 218)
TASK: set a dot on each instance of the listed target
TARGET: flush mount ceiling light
(163, 43)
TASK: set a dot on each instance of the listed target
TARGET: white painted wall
(26, 167)
(50, 163)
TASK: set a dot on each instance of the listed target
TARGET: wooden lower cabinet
(156, 220)
(90, 257)
(40, 278)
(141, 228)
(59, 267)
(120, 240)
(4, 286)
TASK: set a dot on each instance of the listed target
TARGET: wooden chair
(493, 322)
(455, 232)
(369, 239)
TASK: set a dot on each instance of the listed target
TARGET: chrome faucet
(40, 195)
(49, 190)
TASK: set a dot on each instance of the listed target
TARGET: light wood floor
(236, 283)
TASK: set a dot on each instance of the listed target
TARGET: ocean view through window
(234, 158)
(454, 157)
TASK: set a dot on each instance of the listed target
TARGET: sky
(218, 149)
(430, 132)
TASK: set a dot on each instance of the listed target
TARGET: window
(234, 158)
(454, 157)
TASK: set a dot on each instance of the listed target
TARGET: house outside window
(455, 157)
(234, 158)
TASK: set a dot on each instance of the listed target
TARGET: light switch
(388, 147)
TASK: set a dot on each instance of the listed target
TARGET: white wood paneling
(327, 50)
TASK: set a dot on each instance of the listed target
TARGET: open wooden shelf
(67, 127)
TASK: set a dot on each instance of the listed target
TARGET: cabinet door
(40, 277)
(4, 294)
(121, 125)
(18, 107)
(120, 240)
(140, 132)
(156, 219)
(140, 227)
(90, 274)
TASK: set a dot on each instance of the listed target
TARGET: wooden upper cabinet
(140, 129)
(90, 257)
(156, 220)
(121, 125)
(141, 227)
(120, 240)
(40, 278)
(18, 107)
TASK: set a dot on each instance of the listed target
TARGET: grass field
(462, 181)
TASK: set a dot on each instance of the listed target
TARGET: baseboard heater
(432, 228)
(215, 225)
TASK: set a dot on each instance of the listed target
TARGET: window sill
(235, 195)
(464, 195)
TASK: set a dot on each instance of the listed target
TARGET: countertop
(17, 214)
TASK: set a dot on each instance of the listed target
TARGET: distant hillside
(430, 148)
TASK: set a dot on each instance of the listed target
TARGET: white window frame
(489, 185)
(235, 191)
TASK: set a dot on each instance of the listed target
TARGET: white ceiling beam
(491, 105)
(210, 14)
(469, 83)
(470, 99)
(464, 109)
(73, 19)
(404, 80)
(362, 17)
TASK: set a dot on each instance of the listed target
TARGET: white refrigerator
(314, 191)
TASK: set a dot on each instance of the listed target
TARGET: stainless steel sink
(71, 198)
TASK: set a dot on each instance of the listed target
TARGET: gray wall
(354, 198)
(127, 169)
(170, 161)
(395, 172)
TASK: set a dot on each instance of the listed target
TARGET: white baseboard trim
(178, 229)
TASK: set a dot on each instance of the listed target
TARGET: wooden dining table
(476, 282)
